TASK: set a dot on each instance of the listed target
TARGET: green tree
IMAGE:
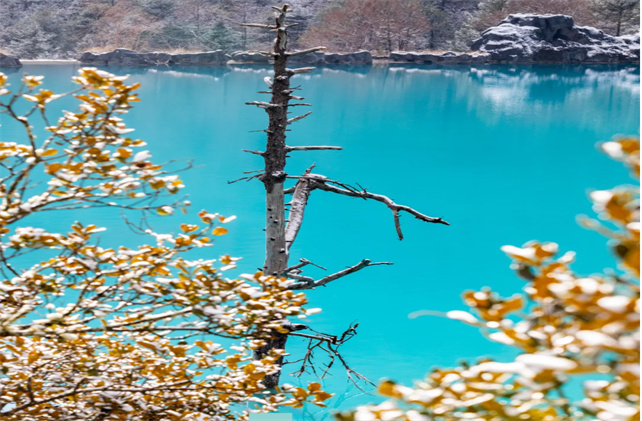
(564, 326)
(221, 37)
(618, 15)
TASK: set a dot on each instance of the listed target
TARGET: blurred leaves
(563, 325)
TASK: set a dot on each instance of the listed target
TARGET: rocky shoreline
(518, 39)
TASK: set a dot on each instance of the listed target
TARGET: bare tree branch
(330, 345)
(302, 263)
(313, 148)
(301, 117)
(308, 51)
(264, 105)
(258, 25)
(248, 178)
(394, 207)
(300, 71)
(327, 279)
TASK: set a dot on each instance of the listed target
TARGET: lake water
(504, 154)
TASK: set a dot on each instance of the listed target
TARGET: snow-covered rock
(320, 58)
(124, 57)
(527, 38)
(249, 57)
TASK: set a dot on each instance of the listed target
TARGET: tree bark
(276, 251)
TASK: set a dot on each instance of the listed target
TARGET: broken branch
(299, 201)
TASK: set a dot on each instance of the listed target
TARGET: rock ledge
(124, 57)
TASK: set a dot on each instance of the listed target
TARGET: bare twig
(330, 344)
(301, 117)
(299, 71)
(302, 263)
(327, 279)
(248, 178)
(258, 25)
(313, 148)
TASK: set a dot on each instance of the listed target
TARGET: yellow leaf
(322, 396)
(219, 231)
(165, 210)
(53, 168)
(124, 153)
(387, 388)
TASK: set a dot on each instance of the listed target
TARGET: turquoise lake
(505, 154)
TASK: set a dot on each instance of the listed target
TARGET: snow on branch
(309, 283)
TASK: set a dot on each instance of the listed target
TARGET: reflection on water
(503, 153)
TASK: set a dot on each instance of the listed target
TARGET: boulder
(9, 61)
(210, 58)
(358, 58)
(249, 57)
(125, 57)
(445, 58)
(118, 57)
(312, 59)
(527, 38)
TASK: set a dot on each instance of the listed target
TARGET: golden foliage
(563, 326)
(93, 332)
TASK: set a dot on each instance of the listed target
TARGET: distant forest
(66, 28)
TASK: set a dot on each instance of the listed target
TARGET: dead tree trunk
(279, 235)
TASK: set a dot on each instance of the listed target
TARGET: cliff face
(524, 38)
